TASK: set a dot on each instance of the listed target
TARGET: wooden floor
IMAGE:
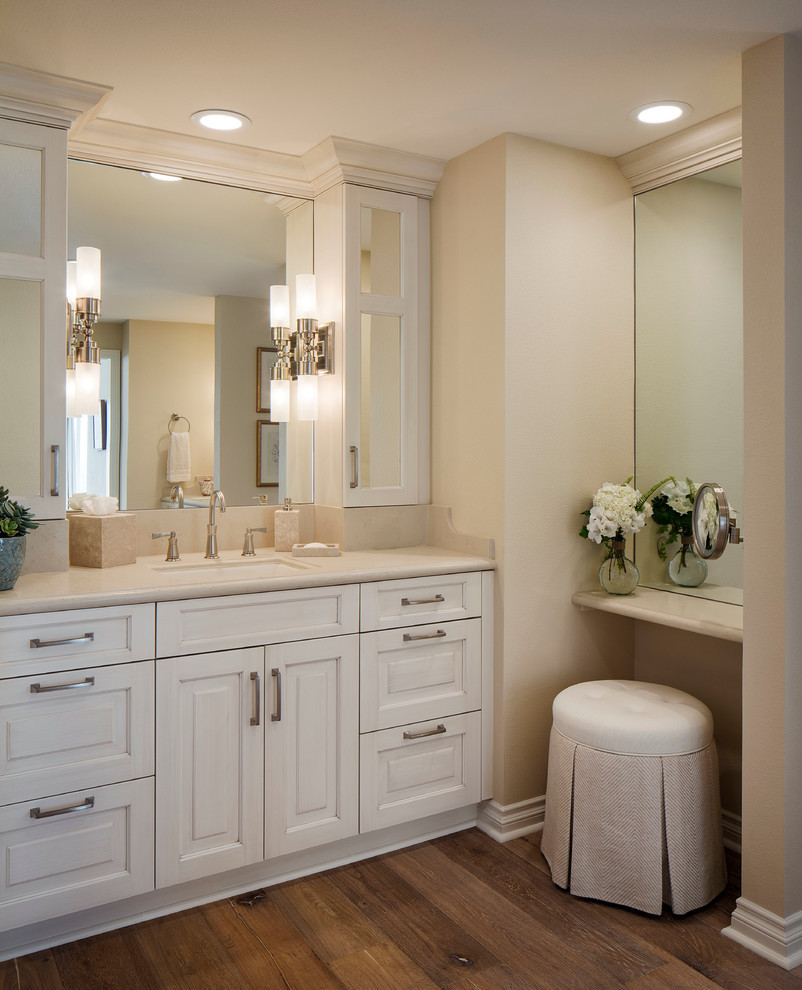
(461, 912)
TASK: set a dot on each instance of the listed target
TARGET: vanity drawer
(200, 625)
(425, 672)
(418, 770)
(389, 604)
(46, 642)
(89, 847)
(85, 728)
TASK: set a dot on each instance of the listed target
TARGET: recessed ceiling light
(220, 120)
(660, 113)
(162, 177)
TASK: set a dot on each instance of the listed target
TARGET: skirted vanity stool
(633, 813)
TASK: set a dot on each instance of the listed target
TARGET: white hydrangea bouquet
(616, 512)
(673, 513)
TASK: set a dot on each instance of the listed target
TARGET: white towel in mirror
(178, 464)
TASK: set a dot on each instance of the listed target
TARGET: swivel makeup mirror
(713, 522)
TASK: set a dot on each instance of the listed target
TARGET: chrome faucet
(216, 498)
(177, 491)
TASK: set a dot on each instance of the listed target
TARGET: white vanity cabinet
(76, 760)
(421, 696)
(386, 413)
(257, 746)
(33, 257)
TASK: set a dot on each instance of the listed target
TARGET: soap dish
(315, 550)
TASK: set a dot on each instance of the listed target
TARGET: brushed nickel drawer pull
(409, 638)
(87, 803)
(39, 644)
(420, 733)
(423, 601)
(41, 689)
(354, 452)
(257, 718)
(276, 715)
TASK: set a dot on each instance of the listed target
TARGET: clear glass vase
(618, 575)
(686, 568)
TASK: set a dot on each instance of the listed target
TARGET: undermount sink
(250, 566)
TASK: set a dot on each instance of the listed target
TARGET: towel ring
(175, 417)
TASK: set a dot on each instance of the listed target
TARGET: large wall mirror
(184, 333)
(689, 356)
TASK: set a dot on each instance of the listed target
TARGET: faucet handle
(247, 546)
(172, 544)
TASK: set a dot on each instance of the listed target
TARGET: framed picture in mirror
(265, 359)
(267, 454)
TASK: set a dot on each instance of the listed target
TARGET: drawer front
(419, 673)
(53, 641)
(200, 625)
(85, 728)
(390, 604)
(71, 860)
(437, 769)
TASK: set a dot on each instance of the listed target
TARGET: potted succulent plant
(15, 522)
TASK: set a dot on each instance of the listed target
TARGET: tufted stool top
(633, 718)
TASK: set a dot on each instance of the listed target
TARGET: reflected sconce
(83, 296)
(302, 355)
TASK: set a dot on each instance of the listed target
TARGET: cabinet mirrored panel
(689, 357)
(186, 271)
(20, 322)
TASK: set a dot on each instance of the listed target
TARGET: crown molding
(112, 142)
(336, 160)
(695, 149)
(43, 98)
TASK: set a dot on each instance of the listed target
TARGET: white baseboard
(776, 939)
(506, 822)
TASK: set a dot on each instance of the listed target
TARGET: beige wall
(167, 368)
(772, 141)
(532, 373)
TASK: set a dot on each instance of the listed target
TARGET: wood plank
(112, 961)
(252, 960)
(437, 945)
(674, 976)
(496, 978)
(382, 967)
(185, 953)
(526, 945)
(326, 918)
(578, 922)
(297, 963)
(37, 971)
(8, 975)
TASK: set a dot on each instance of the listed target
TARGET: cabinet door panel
(209, 764)
(312, 759)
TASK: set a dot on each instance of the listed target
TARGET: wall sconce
(83, 354)
(302, 355)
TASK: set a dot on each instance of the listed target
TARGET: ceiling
(435, 77)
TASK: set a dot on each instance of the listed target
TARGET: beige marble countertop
(708, 618)
(152, 579)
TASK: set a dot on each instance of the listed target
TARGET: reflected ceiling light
(162, 177)
(660, 113)
(220, 120)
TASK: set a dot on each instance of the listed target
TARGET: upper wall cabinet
(33, 240)
(386, 348)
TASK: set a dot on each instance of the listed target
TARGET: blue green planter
(12, 557)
